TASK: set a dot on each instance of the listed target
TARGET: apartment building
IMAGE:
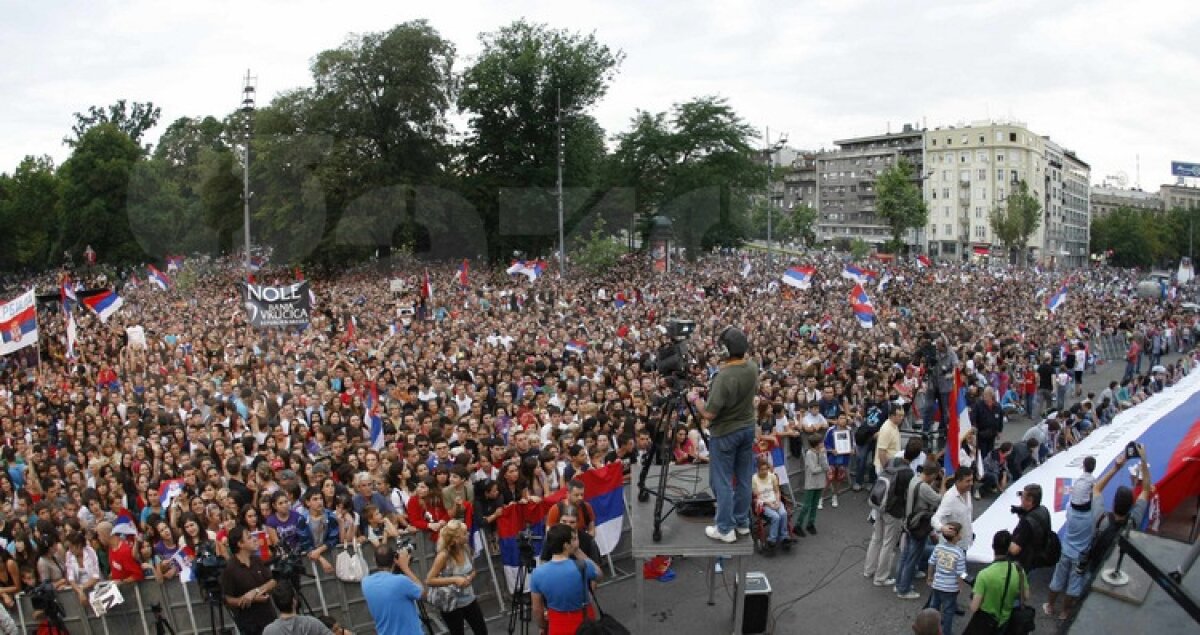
(1180, 196)
(1105, 199)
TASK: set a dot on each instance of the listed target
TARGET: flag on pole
(427, 288)
(157, 277)
(746, 267)
(1055, 301)
(860, 303)
(72, 336)
(923, 262)
(577, 347)
(858, 274)
(799, 277)
(256, 263)
(18, 323)
(462, 273)
(174, 263)
(104, 304)
(532, 270)
(69, 299)
(168, 490)
(960, 420)
(371, 402)
(884, 281)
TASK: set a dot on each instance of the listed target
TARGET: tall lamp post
(248, 91)
(562, 245)
(770, 151)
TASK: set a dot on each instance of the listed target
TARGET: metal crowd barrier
(185, 607)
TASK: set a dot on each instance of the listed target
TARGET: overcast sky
(1112, 80)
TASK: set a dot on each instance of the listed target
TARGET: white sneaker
(743, 531)
(821, 504)
(834, 503)
(712, 532)
(887, 582)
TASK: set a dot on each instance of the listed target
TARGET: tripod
(216, 617)
(522, 606)
(662, 448)
(161, 625)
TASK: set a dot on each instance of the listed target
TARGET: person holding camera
(247, 584)
(392, 593)
(452, 568)
(730, 409)
(288, 622)
(1033, 530)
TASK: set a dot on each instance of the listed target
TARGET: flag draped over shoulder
(604, 489)
(512, 521)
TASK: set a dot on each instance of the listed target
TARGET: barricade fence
(192, 611)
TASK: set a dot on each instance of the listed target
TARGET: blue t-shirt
(560, 585)
(391, 599)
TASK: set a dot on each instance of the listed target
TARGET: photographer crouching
(246, 584)
(392, 592)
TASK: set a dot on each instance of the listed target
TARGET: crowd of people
(495, 389)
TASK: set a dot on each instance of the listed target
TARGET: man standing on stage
(730, 411)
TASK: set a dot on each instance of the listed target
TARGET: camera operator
(392, 593)
(288, 623)
(730, 409)
(246, 583)
(1033, 530)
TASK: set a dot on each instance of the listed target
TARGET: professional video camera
(43, 599)
(288, 565)
(208, 567)
(673, 358)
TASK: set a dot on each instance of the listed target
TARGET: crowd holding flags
(18, 323)
(1057, 299)
(371, 404)
(104, 304)
(857, 274)
(462, 273)
(864, 311)
(923, 262)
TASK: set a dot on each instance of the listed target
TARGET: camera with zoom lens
(208, 567)
(288, 565)
(405, 543)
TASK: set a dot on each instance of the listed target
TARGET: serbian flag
(578, 347)
(462, 273)
(174, 263)
(620, 301)
(857, 274)
(960, 420)
(124, 524)
(604, 490)
(72, 336)
(18, 323)
(371, 402)
(885, 281)
(776, 455)
(168, 490)
(103, 304)
(255, 263)
(923, 262)
(157, 277)
(1055, 301)
(513, 520)
(799, 277)
(861, 305)
(427, 288)
(532, 270)
(69, 299)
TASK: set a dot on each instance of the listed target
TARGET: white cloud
(1108, 78)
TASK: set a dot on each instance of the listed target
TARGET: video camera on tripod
(208, 566)
(43, 599)
(672, 359)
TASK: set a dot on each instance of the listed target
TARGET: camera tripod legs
(521, 610)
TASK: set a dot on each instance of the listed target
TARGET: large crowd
(500, 390)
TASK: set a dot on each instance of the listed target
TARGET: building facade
(1076, 211)
(1105, 199)
(1179, 196)
(845, 184)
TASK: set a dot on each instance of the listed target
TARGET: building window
(978, 211)
(1012, 137)
(949, 229)
(1015, 176)
(999, 194)
(982, 174)
(933, 191)
(933, 231)
(933, 142)
(946, 211)
(981, 156)
(999, 157)
(963, 157)
(946, 175)
(981, 141)
(1000, 174)
(999, 136)
(945, 192)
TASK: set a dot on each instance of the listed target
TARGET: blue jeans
(730, 468)
(776, 520)
(916, 553)
(866, 461)
(945, 602)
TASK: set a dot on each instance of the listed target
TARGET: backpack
(918, 524)
(1051, 550)
(897, 502)
(881, 491)
(1102, 541)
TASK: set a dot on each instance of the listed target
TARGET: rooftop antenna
(1138, 179)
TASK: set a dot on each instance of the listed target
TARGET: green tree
(899, 202)
(134, 119)
(28, 203)
(1131, 234)
(800, 223)
(95, 183)
(859, 249)
(599, 252)
(696, 166)
(525, 76)
(1014, 223)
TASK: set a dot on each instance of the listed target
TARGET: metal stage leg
(712, 579)
(739, 595)
(640, 564)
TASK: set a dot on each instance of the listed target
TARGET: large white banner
(1172, 411)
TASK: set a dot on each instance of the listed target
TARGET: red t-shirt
(123, 564)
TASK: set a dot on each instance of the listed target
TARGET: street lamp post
(770, 150)
(248, 92)
(562, 245)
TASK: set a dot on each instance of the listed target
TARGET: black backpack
(1051, 549)
(918, 523)
(898, 496)
(1102, 541)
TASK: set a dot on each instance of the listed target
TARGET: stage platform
(683, 537)
(1141, 606)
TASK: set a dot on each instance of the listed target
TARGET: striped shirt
(950, 564)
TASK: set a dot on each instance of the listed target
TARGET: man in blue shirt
(392, 593)
(556, 588)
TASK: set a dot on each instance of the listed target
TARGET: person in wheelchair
(769, 504)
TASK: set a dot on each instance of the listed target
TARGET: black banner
(272, 307)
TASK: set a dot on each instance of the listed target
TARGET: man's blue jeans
(730, 468)
(915, 554)
(866, 461)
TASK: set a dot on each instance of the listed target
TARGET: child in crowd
(770, 502)
(947, 567)
(816, 468)
(838, 461)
